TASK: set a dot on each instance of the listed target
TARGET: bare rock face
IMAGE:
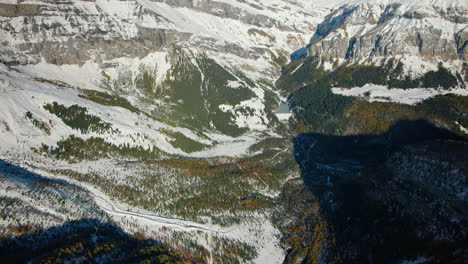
(8, 10)
(368, 30)
(462, 42)
(226, 10)
(73, 32)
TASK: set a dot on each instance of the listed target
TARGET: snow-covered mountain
(148, 51)
(420, 34)
(159, 115)
(64, 32)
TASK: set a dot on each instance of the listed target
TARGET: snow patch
(234, 84)
(380, 93)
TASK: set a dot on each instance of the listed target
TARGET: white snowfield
(21, 95)
(232, 42)
(30, 199)
(114, 209)
(381, 93)
(90, 76)
(265, 239)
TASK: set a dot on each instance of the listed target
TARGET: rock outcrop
(376, 30)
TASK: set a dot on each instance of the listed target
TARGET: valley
(163, 131)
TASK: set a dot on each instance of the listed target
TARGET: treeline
(319, 110)
(197, 99)
(182, 142)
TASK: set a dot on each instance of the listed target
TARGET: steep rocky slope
(400, 44)
(419, 34)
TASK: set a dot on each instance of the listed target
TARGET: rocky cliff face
(78, 31)
(372, 32)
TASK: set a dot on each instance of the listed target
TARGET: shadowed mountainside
(390, 197)
(87, 240)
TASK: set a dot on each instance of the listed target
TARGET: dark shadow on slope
(298, 54)
(371, 211)
(25, 176)
(86, 240)
(351, 153)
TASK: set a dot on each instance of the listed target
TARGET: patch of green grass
(190, 94)
(146, 81)
(184, 143)
(254, 31)
(281, 59)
